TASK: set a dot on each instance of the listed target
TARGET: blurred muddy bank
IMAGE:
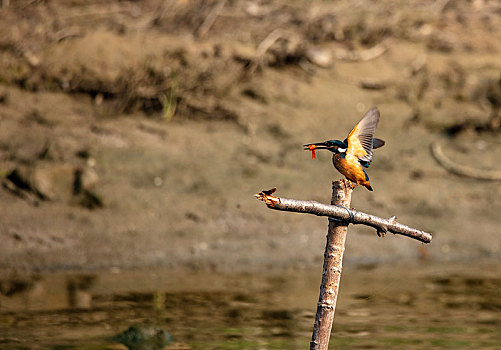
(134, 134)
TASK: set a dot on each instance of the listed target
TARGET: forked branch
(344, 214)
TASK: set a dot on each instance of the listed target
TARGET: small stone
(319, 57)
(157, 181)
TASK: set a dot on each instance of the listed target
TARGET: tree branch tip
(265, 196)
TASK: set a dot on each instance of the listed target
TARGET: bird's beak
(312, 146)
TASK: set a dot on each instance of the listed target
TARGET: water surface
(425, 306)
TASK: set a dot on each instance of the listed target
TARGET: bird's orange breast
(350, 168)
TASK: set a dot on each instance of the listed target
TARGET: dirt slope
(135, 133)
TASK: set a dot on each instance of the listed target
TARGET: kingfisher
(352, 155)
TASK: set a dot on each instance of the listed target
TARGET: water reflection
(78, 289)
(417, 307)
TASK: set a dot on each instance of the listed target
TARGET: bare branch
(340, 216)
(341, 213)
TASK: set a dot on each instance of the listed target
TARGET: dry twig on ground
(463, 170)
(363, 55)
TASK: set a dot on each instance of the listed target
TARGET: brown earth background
(135, 133)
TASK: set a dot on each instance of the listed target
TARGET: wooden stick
(333, 264)
(343, 213)
(340, 216)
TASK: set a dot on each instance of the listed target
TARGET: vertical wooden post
(333, 264)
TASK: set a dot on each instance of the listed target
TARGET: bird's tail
(376, 143)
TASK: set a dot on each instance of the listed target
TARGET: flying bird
(352, 155)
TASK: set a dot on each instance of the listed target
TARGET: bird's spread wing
(360, 138)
